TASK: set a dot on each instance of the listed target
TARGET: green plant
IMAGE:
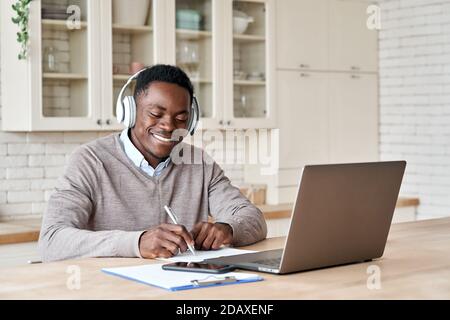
(21, 8)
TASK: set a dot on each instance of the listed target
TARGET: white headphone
(126, 108)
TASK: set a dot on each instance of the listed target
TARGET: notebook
(207, 254)
(153, 274)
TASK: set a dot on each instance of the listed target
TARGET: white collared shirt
(138, 159)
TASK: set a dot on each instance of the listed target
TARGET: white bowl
(133, 12)
(240, 24)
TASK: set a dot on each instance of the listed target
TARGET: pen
(174, 219)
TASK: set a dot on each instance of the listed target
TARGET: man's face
(161, 109)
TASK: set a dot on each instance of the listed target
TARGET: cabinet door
(352, 45)
(303, 118)
(65, 69)
(194, 33)
(302, 34)
(250, 65)
(353, 118)
(128, 47)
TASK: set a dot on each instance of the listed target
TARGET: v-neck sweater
(103, 203)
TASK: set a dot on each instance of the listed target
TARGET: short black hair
(162, 73)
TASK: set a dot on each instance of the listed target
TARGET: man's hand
(211, 235)
(164, 241)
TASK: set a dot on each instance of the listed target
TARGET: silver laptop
(342, 215)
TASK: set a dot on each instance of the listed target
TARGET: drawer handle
(99, 122)
(302, 65)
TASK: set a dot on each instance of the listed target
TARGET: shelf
(248, 38)
(201, 80)
(193, 34)
(61, 24)
(131, 29)
(249, 83)
(64, 76)
(121, 77)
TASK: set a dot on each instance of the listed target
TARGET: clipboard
(154, 275)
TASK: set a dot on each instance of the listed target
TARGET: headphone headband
(126, 107)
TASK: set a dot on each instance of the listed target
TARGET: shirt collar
(135, 155)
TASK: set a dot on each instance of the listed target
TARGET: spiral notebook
(153, 274)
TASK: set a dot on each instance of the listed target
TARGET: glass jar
(50, 63)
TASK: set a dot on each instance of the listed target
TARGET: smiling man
(110, 199)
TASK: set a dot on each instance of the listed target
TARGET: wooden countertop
(27, 230)
(284, 210)
(415, 265)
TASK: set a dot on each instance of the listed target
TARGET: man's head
(163, 96)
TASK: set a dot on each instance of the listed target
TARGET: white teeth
(162, 138)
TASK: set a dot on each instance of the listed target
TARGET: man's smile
(162, 138)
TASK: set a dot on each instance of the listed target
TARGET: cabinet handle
(221, 122)
(304, 75)
(354, 76)
(228, 122)
(108, 122)
(354, 68)
(302, 65)
(99, 122)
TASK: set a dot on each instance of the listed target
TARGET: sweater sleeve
(64, 232)
(228, 205)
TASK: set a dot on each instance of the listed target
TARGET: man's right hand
(164, 241)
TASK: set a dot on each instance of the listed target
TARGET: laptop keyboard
(270, 262)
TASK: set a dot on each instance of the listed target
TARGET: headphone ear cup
(119, 111)
(129, 108)
(194, 117)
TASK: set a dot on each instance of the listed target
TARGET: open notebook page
(202, 255)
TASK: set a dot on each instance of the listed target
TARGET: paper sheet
(153, 274)
(202, 255)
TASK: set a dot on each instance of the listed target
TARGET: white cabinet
(325, 35)
(353, 46)
(58, 87)
(94, 62)
(303, 118)
(302, 34)
(353, 117)
(327, 117)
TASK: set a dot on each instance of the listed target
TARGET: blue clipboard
(154, 275)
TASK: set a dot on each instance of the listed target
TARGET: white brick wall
(415, 97)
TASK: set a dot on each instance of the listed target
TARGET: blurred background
(320, 81)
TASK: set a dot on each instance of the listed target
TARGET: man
(110, 200)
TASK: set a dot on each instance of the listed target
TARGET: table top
(415, 265)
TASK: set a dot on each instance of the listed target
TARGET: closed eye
(155, 115)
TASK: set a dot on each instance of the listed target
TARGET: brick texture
(414, 60)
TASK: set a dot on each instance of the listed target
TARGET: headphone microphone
(126, 108)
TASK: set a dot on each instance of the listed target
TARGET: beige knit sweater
(103, 203)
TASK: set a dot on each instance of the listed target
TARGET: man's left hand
(209, 235)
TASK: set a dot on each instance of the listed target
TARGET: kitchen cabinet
(232, 71)
(303, 118)
(353, 46)
(58, 87)
(353, 105)
(302, 34)
(325, 35)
